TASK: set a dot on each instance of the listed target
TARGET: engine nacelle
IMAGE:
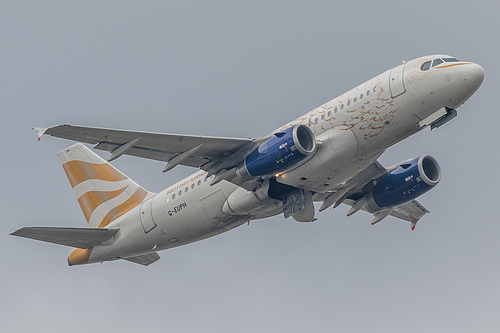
(279, 153)
(412, 179)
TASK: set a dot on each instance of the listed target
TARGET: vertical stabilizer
(103, 192)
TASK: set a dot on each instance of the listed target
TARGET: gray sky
(229, 68)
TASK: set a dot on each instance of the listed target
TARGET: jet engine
(410, 180)
(281, 152)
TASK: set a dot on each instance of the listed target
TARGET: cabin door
(147, 216)
(397, 81)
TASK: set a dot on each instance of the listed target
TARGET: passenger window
(374, 89)
(322, 117)
(192, 186)
(329, 113)
(336, 110)
(186, 189)
(425, 66)
(355, 99)
(451, 60)
(316, 120)
(199, 182)
(361, 96)
(368, 93)
(342, 106)
(437, 62)
(173, 196)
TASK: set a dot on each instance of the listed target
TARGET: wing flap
(82, 238)
(144, 259)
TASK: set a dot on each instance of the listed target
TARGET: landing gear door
(397, 81)
(147, 216)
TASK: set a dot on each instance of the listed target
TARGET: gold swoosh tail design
(103, 192)
(118, 211)
(89, 201)
(80, 171)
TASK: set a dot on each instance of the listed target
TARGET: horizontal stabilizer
(82, 238)
(144, 259)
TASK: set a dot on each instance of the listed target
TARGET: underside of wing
(82, 238)
(358, 192)
(411, 211)
(155, 146)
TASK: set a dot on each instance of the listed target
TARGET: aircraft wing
(411, 211)
(82, 238)
(355, 189)
(199, 151)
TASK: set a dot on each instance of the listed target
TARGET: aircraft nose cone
(473, 75)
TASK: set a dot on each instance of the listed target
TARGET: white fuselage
(352, 130)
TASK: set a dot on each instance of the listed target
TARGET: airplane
(329, 155)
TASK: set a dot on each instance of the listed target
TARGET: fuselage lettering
(177, 209)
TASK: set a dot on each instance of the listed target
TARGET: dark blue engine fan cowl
(281, 152)
(412, 179)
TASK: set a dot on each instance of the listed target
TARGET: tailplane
(81, 238)
(103, 192)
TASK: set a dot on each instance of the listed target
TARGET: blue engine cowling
(412, 179)
(279, 153)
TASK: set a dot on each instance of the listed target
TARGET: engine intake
(412, 179)
(281, 152)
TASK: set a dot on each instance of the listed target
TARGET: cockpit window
(437, 62)
(451, 60)
(425, 66)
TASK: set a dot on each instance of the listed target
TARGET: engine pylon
(355, 208)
